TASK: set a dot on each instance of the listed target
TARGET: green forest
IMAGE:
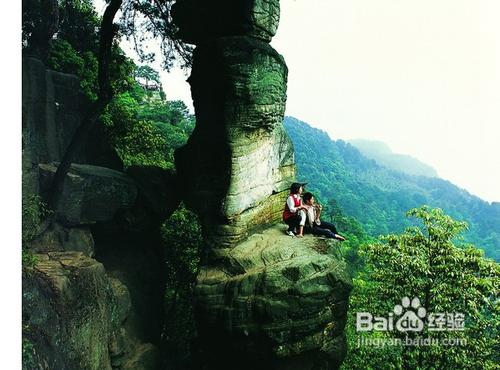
(378, 197)
(407, 236)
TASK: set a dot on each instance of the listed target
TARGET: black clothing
(293, 222)
(326, 229)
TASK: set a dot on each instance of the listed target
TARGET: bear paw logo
(412, 317)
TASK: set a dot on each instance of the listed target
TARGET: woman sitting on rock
(294, 214)
(314, 225)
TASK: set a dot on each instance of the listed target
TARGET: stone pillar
(269, 301)
(238, 164)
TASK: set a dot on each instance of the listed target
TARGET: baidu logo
(410, 316)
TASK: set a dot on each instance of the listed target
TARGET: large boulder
(57, 238)
(262, 300)
(90, 194)
(273, 302)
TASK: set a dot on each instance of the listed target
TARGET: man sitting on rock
(313, 224)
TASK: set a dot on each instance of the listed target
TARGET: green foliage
(182, 238)
(78, 24)
(378, 197)
(64, 58)
(75, 48)
(143, 145)
(121, 114)
(143, 132)
(147, 73)
(28, 355)
(33, 212)
(29, 260)
(424, 262)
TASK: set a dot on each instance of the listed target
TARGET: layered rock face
(239, 159)
(276, 303)
(263, 299)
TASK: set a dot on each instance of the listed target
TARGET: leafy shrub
(182, 238)
(33, 212)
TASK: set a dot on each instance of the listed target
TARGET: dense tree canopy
(424, 262)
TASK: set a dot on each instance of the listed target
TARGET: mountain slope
(377, 196)
(382, 154)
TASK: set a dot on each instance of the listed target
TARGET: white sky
(422, 76)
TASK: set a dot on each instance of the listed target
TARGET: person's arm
(318, 215)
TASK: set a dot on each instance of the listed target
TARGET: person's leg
(302, 221)
(308, 230)
(293, 222)
(318, 231)
(331, 227)
(328, 226)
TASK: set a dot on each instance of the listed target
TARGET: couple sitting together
(302, 214)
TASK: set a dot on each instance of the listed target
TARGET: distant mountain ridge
(378, 196)
(383, 155)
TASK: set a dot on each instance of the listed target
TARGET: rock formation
(263, 300)
(239, 160)
(277, 303)
(94, 298)
(75, 315)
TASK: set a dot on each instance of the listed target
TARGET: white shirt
(311, 216)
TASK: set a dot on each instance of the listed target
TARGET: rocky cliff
(263, 300)
(93, 299)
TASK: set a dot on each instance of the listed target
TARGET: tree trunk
(105, 94)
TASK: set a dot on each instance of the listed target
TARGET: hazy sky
(421, 75)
